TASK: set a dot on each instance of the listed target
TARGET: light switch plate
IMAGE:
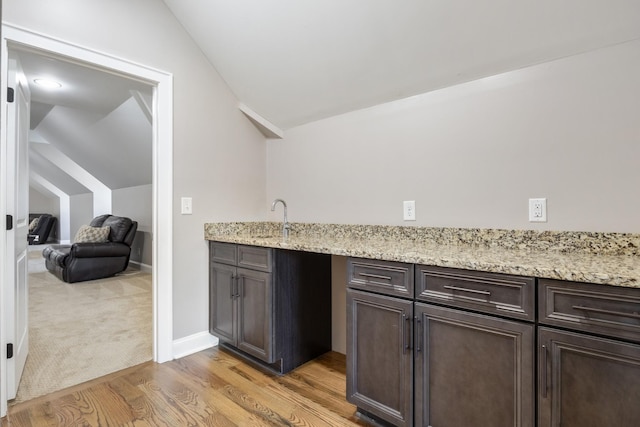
(187, 206)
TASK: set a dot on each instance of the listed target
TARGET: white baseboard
(145, 268)
(193, 343)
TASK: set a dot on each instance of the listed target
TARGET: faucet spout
(285, 223)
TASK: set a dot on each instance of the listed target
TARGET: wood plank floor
(209, 388)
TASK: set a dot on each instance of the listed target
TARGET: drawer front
(224, 253)
(599, 309)
(492, 293)
(385, 277)
(255, 258)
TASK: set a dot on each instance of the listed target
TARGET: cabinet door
(379, 356)
(587, 381)
(256, 332)
(472, 369)
(222, 304)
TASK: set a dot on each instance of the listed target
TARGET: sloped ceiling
(93, 119)
(295, 61)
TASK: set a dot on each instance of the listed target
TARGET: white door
(17, 193)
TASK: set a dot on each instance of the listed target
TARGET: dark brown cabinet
(472, 369)
(268, 305)
(427, 359)
(241, 311)
(587, 379)
(379, 356)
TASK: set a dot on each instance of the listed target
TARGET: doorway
(162, 116)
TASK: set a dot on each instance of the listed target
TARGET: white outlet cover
(409, 210)
(538, 210)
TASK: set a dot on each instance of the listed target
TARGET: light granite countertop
(600, 258)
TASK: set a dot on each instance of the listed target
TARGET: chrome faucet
(285, 224)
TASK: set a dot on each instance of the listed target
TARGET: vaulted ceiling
(295, 61)
(87, 124)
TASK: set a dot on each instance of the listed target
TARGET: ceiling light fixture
(50, 84)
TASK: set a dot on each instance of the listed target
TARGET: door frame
(162, 175)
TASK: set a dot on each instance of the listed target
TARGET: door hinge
(9, 222)
(10, 94)
(9, 351)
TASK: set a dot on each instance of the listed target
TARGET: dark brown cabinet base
(272, 306)
(379, 357)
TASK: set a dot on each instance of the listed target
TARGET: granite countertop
(600, 258)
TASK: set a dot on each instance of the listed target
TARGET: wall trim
(145, 268)
(193, 343)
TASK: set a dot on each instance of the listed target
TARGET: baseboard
(193, 343)
(145, 268)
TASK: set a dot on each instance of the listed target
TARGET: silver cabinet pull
(611, 312)
(473, 291)
(375, 276)
(233, 281)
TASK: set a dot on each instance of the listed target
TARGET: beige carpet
(83, 331)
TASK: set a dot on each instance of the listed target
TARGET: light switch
(187, 207)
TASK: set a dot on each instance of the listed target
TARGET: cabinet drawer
(223, 252)
(385, 277)
(493, 293)
(600, 309)
(255, 258)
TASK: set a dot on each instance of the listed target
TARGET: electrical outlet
(187, 206)
(538, 210)
(409, 210)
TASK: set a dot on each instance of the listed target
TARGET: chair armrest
(96, 250)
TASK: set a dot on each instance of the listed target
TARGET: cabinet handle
(603, 311)
(375, 276)
(237, 287)
(418, 334)
(404, 334)
(544, 371)
(233, 289)
(473, 291)
(410, 320)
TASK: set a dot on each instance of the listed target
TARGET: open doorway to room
(162, 185)
(90, 153)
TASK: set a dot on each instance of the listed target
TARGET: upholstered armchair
(102, 249)
(42, 226)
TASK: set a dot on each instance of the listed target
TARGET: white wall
(81, 212)
(471, 155)
(40, 203)
(218, 155)
(136, 203)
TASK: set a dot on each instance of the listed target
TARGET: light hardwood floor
(209, 388)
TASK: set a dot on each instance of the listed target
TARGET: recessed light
(50, 84)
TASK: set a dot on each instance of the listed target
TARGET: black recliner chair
(40, 234)
(88, 261)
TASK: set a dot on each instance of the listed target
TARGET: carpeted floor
(83, 331)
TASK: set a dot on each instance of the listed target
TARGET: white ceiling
(92, 119)
(295, 61)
